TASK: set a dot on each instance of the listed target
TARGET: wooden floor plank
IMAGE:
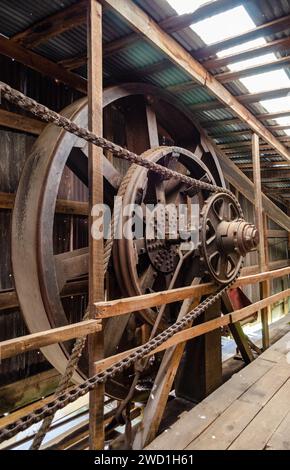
(235, 419)
(280, 440)
(259, 431)
(226, 428)
(194, 422)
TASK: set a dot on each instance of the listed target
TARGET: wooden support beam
(74, 62)
(96, 249)
(277, 25)
(63, 206)
(245, 186)
(141, 22)
(52, 25)
(8, 298)
(39, 63)
(227, 77)
(163, 382)
(172, 24)
(21, 123)
(258, 204)
(277, 234)
(272, 46)
(22, 344)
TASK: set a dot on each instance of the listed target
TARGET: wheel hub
(225, 237)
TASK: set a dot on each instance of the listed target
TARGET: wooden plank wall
(15, 147)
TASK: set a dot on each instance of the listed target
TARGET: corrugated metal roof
(124, 65)
(16, 16)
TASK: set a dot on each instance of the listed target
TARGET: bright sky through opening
(230, 23)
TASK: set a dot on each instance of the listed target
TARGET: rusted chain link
(71, 395)
(63, 399)
(48, 115)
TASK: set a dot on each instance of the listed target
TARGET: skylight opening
(242, 47)
(277, 104)
(244, 64)
(231, 23)
(224, 25)
(266, 81)
(186, 6)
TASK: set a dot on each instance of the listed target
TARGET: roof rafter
(228, 122)
(41, 64)
(145, 25)
(272, 46)
(247, 98)
(52, 25)
(254, 70)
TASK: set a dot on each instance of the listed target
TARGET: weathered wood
(238, 179)
(265, 422)
(247, 311)
(52, 25)
(140, 302)
(131, 304)
(195, 421)
(198, 330)
(152, 126)
(23, 392)
(8, 298)
(237, 417)
(20, 122)
(280, 440)
(163, 382)
(238, 333)
(96, 249)
(74, 62)
(41, 64)
(258, 204)
(141, 22)
(21, 344)
(63, 206)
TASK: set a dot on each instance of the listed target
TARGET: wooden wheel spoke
(70, 265)
(148, 277)
(78, 163)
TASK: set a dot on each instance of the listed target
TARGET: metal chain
(48, 115)
(76, 392)
(67, 397)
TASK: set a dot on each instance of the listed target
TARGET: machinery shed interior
(201, 91)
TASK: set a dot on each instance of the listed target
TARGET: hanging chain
(140, 352)
(47, 115)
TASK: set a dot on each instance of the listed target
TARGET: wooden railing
(19, 345)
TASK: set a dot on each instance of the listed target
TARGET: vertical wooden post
(260, 227)
(96, 264)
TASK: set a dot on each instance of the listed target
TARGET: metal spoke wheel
(225, 237)
(43, 273)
